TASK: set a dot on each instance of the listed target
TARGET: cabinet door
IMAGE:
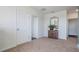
(53, 34)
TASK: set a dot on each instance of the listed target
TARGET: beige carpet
(47, 45)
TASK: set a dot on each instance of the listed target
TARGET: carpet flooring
(47, 45)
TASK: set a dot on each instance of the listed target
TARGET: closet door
(23, 26)
(28, 27)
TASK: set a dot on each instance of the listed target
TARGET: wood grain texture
(47, 45)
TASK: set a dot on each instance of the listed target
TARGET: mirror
(54, 23)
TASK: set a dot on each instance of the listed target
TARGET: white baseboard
(1, 50)
(6, 48)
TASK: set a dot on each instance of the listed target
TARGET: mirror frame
(54, 17)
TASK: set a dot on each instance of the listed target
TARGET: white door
(35, 26)
(23, 26)
(28, 27)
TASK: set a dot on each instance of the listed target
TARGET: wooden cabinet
(53, 34)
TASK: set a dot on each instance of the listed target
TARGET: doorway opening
(72, 28)
(34, 27)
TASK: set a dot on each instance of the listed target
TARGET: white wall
(7, 27)
(8, 24)
(72, 27)
(63, 23)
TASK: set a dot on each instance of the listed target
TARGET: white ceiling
(49, 9)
